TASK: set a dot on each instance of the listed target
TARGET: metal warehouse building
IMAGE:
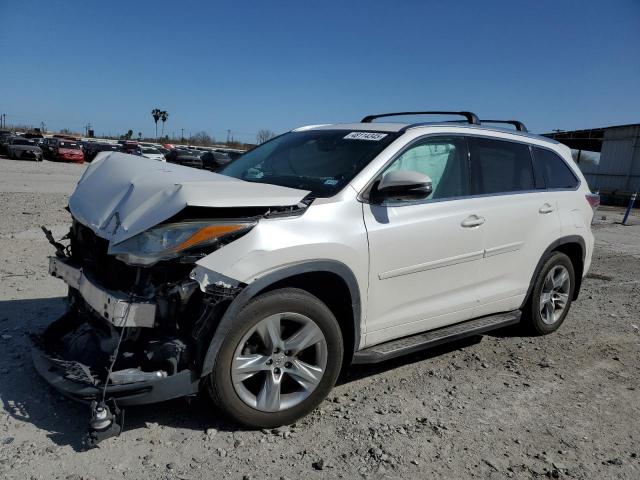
(609, 157)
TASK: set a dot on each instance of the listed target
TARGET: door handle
(473, 221)
(546, 208)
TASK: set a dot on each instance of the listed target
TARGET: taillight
(593, 199)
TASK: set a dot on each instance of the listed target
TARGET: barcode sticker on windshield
(372, 136)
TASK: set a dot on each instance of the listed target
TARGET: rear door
(425, 255)
(575, 214)
(521, 219)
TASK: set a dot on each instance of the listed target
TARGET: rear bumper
(57, 373)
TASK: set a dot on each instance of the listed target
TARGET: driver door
(425, 256)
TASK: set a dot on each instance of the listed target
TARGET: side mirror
(404, 184)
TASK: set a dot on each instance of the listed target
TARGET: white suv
(326, 246)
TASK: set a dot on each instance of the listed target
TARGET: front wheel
(552, 294)
(280, 359)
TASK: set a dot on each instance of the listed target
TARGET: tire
(542, 315)
(245, 400)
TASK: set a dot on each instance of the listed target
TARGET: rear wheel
(552, 294)
(279, 361)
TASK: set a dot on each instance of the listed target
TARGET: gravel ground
(564, 405)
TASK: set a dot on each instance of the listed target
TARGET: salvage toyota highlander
(326, 246)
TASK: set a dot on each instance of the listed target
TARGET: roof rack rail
(519, 125)
(471, 117)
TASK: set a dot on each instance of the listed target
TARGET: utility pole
(182, 135)
(42, 126)
(228, 135)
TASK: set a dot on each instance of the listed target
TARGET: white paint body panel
(515, 235)
(328, 230)
(424, 264)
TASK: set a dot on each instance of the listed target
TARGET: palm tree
(163, 116)
(156, 113)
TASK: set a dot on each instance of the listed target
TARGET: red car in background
(69, 151)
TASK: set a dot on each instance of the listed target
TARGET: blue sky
(248, 65)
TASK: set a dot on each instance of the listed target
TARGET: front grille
(90, 252)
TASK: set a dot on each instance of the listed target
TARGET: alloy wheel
(555, 294)
(279, 362)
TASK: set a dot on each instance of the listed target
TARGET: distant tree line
(264, 136)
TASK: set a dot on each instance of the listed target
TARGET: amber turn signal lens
(206, 234)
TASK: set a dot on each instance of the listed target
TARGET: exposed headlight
(169, 241)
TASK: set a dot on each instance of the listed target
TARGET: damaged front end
(136, 334)
(138, 326)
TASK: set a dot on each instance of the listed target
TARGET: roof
(399, 127)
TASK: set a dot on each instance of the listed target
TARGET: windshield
(72, 146)
(150, 150)
(322, 161)
(23, 142)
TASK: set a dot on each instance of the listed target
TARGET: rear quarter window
(500, 166)
(557, 173)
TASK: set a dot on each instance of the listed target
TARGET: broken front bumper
(73, 353)
(70, 354)
(69, 379)
(115, 307)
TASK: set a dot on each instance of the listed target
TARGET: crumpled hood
(121, 195)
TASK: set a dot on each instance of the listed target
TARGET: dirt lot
(565, 405)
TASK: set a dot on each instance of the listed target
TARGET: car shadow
(28, 398)
(358, 372)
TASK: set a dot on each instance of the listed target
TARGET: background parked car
(152, 152)
(214, 161)
(189, 158)
(67, 150)
(164, 151)
(233, 153)
(47, 147)
(92, 149)
(33, 135)
(130, 147)
(5, 138)
(23, 148)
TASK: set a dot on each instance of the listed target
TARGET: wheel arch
(574, 247)
(311, 276)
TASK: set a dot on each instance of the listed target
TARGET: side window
(442, 159)
(555, 170)
(500, 166)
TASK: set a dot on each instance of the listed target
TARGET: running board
(422, 341)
